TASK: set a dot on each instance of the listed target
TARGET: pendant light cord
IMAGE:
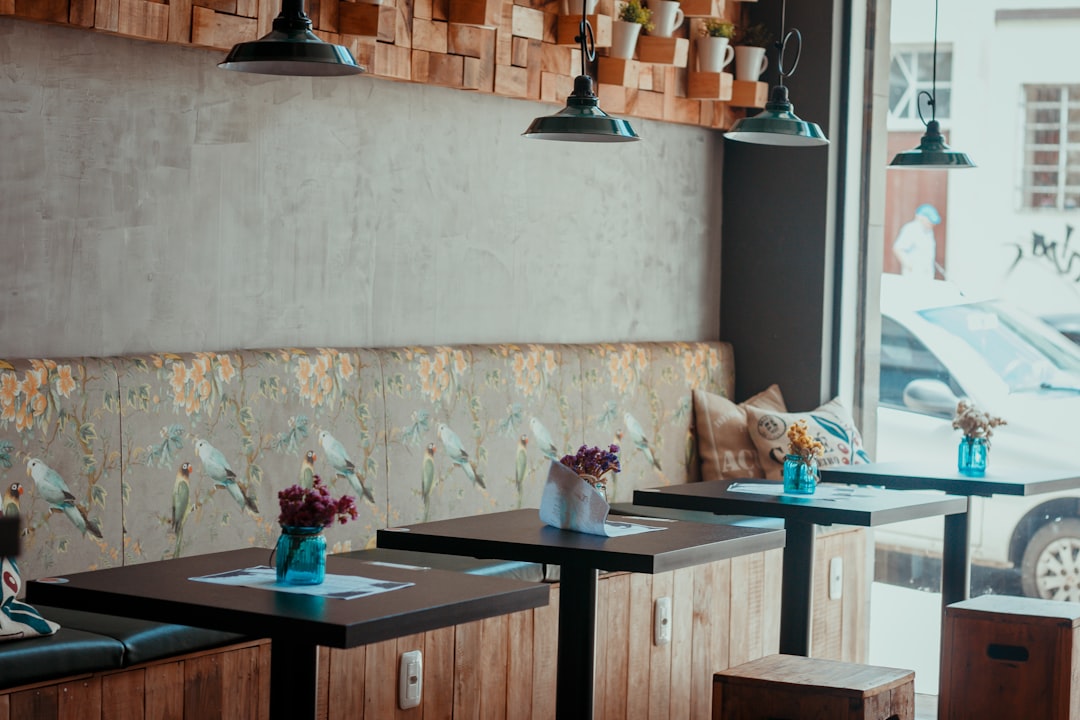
(930, 96)
(782, 45)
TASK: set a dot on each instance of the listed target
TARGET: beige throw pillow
(830, 424)
(727, 452)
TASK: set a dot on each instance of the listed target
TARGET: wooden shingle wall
(515, 48)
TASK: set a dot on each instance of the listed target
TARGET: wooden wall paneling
(322, 683)
(5, 701)
(264, 676)
(345, 667)
(7, 7)
(470, 40)
(511, 81)
(519, 668)
(647, 104)
(404, 644)
(494, 648)
(527, 22)
(770, 601)
(533, 68)
(119, 693)
(519, 52)
(380, 680)
(430, 35)
(364, 19)
(467, 670)
(202, 687)
(474, 12)
(616, 648)
(438, 691)
(55, 11)
(403, 23)
(739, 642)
(556, 88)
(659, 655)
(603, 633)
(857, 579)
(250, 9)
(240, 670)
(81, 700)
(329, 14)
(639, 636)
(613, 98)
(560, 60)
(39, 703)
(224, 6)
(144, 19)
(682, 642)
(545, 656)
(180, 14)
(266, 12)
(211, 29)
(392, 61)
(165, 691)
(438, 69)
(709, 605)
(80, 12)
(106, 14)
(423, 9)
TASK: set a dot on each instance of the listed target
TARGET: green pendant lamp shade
(291, 48)
(777, 125)
(581, 120)
(932, 153)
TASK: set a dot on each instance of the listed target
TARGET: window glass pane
(1043, 200)
(903, 359)
(1047, 137)
(944, 66)
(924, 67)
(944, 103)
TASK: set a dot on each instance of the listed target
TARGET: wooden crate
(708, 85)
(745, 93)
(790, 686)
(1010, 657)
(663, 50)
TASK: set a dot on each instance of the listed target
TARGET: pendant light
(932, 153)
(291, 48)
(582, 120)
(778, 124)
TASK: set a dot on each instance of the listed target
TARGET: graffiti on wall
(1061, 257)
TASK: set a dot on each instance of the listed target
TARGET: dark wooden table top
(999, 479)
(161, 591)
(521, 535)
(9, 536)
(865, 506)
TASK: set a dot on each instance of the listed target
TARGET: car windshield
(1023, 352)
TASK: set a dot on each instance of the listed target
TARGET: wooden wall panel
(510, 48)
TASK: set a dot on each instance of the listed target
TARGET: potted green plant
(713, 51)
(750, 44)
(627, 26)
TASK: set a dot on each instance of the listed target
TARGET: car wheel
(1051, 564)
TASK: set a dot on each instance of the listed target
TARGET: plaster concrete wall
(150, 201)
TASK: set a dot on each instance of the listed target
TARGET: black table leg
(293, 679)
(797, 591)
(955, 560)
(577, 643)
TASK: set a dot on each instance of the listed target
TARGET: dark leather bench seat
(68, 651)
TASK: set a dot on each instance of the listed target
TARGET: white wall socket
(836, 578)
(662, 621)
(410, 679)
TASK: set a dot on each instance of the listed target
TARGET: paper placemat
(342, 587)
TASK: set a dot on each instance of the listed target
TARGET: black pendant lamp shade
(932, 153)
(582, 120)
(291, 48)
(777, 124)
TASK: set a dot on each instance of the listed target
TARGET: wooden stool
(1010, 657)
(790, 687)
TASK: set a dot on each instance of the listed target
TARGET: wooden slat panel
(708, 605)
(682, 638)
(467, 661)
(770, 609)
(81, 700)
(144, 19)
(640, 646)
(519, 688)
(180, 21)
(5, 700)
(406, 644)
(202, 687)
(264, 677)
(857, 579)
(225, 6)
(380, 680)
(616, 647)
(240, 672)
(600, 639)
(493, 642)
(215, 30)
(825, 621)
(545, 655)
(107, 15)
(165, 691)
(346, 668)
(392, 61)
(80, 12)
(47, 10)
(122, 695)
(740, 648)
(438, 695)
(659, 655)
(39, 704)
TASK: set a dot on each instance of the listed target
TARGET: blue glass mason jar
(800, 476)
(971, 456)
(300, 556)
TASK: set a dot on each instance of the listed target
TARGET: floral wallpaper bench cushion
(139, 458)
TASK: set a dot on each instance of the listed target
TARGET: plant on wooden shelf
(713, 51)
(594, 465)
(750, 59)
(977, 426)
(626, 28)
(301, 547)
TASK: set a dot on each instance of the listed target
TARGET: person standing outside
(915, 246)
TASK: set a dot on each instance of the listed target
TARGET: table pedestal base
(577, 643)
(293, 679)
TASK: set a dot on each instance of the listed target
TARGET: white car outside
(939, 346)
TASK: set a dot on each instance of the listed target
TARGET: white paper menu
(570, 503)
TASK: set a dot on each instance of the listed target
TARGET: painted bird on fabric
(637, 437)
(181, 497)
(455, 450)
(217, 467)
(52, 488)
(427, 474)
(11, 499)
(307, 470)
(543, 439)
(343, 465)
(521, 463)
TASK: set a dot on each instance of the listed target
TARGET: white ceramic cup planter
(573, 7)
(750, 62)
(667, 16)
(624, 37)
(713, 54)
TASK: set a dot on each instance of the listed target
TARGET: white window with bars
(1051, 178)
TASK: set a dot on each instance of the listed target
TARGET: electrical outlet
(662, 621)
(836, 578)
(410, 679)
